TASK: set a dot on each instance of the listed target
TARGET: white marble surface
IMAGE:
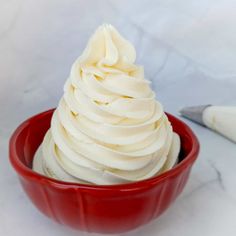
(188, 50)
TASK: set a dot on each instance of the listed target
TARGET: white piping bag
(221, 119)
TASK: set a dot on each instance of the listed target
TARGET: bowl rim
(27, 172)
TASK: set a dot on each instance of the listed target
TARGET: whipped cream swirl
(108, 127)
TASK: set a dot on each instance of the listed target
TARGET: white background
(188, 49)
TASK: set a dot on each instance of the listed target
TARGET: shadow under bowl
(92, 208)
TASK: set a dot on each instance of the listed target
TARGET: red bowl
(102, 209)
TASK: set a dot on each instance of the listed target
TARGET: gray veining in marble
(188, 50)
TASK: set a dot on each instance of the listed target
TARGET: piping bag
(221, 119)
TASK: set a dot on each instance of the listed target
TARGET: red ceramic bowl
(103, 209)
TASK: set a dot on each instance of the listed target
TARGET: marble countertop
(188, 50)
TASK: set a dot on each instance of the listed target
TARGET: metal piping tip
(194, 113)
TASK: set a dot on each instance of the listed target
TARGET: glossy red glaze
(103, 209)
